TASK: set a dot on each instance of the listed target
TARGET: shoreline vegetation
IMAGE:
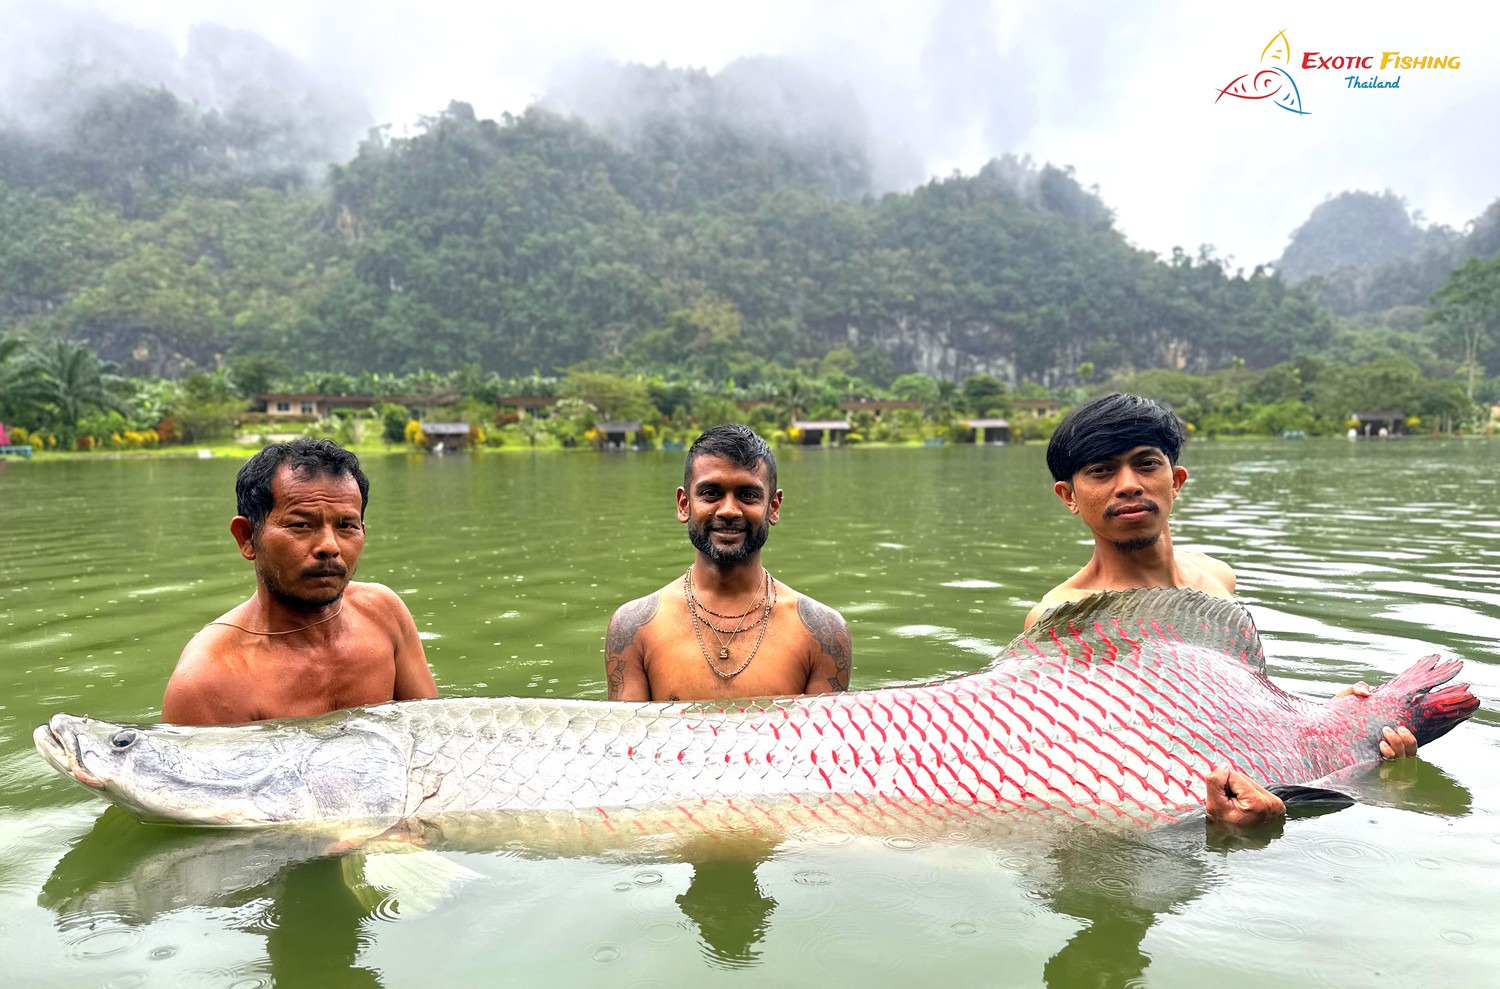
(166, 282)
(64, 401)
(244, 450)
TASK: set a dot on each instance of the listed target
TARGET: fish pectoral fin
(1311, 799)
(413, 881)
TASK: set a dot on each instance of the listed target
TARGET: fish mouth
(51, 745)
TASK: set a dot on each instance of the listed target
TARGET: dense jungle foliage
(149, 239)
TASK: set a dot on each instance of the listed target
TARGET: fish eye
(123, 739)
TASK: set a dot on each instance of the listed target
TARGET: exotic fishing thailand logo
(1273, 82)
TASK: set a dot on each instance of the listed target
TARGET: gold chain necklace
(708, 611)
(289, 631)
(699, 608)
(764, 623)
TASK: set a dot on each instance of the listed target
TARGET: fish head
(303, 770)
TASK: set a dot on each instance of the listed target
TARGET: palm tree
(68, 380)
(10, 377)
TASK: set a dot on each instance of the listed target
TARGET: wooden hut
(617, 435)
(987, 430)
(813, 430)
(1382, 422)
(446, 437)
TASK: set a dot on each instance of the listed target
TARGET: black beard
(1139, 543)
(755, 538)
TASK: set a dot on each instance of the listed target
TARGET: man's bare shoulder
(1207, 574)
(1061, 594)
(370, 595)
(625, 647)
(827, 627)
(380, 608)
(212, 648)
(208, 681)
(641, 610)
(813, 613)
(630, 617)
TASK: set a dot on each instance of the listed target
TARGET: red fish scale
(1078, 734)
(1105, 720)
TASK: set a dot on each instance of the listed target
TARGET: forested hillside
(170, 238)
(1362, 253)
(683, 250)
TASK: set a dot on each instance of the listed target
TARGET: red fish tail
(1434, 709)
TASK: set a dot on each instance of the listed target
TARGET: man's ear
(1179, 478)
(240, 528)
(773, 513)
(1064, 490)
(682, 505)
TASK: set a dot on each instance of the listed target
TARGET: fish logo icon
(1273, 82)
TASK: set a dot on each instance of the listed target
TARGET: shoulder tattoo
(622, 631)
(831, 633)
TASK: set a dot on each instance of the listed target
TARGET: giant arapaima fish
(1111, 711)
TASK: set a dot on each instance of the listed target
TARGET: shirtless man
(1114, 461)
(310, 640)
(727, 627)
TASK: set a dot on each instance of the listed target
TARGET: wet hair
(306, 457)
(740, 445)
(1109, 426)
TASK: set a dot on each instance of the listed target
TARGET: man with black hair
(1114, 464)
(310, 639)
(726, 628)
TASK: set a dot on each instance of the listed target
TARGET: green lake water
(1355, 559)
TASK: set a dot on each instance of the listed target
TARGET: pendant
(723, 652)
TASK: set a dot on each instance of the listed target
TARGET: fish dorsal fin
(1184, 609)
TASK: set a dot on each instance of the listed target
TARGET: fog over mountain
(1127, 96)
(55, 67)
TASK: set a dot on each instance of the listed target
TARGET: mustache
(332, 570)
(1135, 506)
(724, 526)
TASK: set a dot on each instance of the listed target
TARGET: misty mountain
(754, 110)
(538, 242)
(90, 103)
(1365, 253)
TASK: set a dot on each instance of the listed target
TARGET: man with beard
(310, 640)
(727, 627)
(1114, 464)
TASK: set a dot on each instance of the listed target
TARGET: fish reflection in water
(313, 909)
(136, 874)
(300, 896)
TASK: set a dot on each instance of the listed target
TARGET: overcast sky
(1122, 92)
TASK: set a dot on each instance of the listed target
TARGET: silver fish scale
(1107, 720)
(1111, 710)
